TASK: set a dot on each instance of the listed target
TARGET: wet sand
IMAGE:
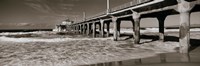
(164, 59)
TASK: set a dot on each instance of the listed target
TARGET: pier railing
(129, 4)
(120, 7)
(96, 15)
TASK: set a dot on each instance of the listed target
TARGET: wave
(3, 38)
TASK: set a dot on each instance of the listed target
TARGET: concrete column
(102, 28)
(118, 27)
(184, 34)
(85, 25)
(80, 28)
(76, 28)
(59, 28)
(73, 28)
(115, 33)
(108, 29)
(84, 29)
(136, 18)
(94, 29)
(133, 28)
(184, 8)
(88, 28)
(69, 27)
(99, 28)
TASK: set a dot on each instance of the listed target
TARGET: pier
(136, 10)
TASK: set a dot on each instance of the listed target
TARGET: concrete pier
(94, 29)
(102, 28)
(161, 19)
(108, 29)
(83, 28)
(139, 9)
(184, 9)
(115, 32)
(88, 28)
(136, 18)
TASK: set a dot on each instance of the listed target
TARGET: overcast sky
(46, 13)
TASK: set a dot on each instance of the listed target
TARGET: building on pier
(64, 26)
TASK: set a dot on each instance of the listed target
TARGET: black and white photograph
(99, 32)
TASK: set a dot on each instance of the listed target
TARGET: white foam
(34, 39)
(23, 33)
(3, 38)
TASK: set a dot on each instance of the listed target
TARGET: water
(168, 59)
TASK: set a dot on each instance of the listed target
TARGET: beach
(46, 48)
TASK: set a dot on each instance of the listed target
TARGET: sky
(45, 14)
